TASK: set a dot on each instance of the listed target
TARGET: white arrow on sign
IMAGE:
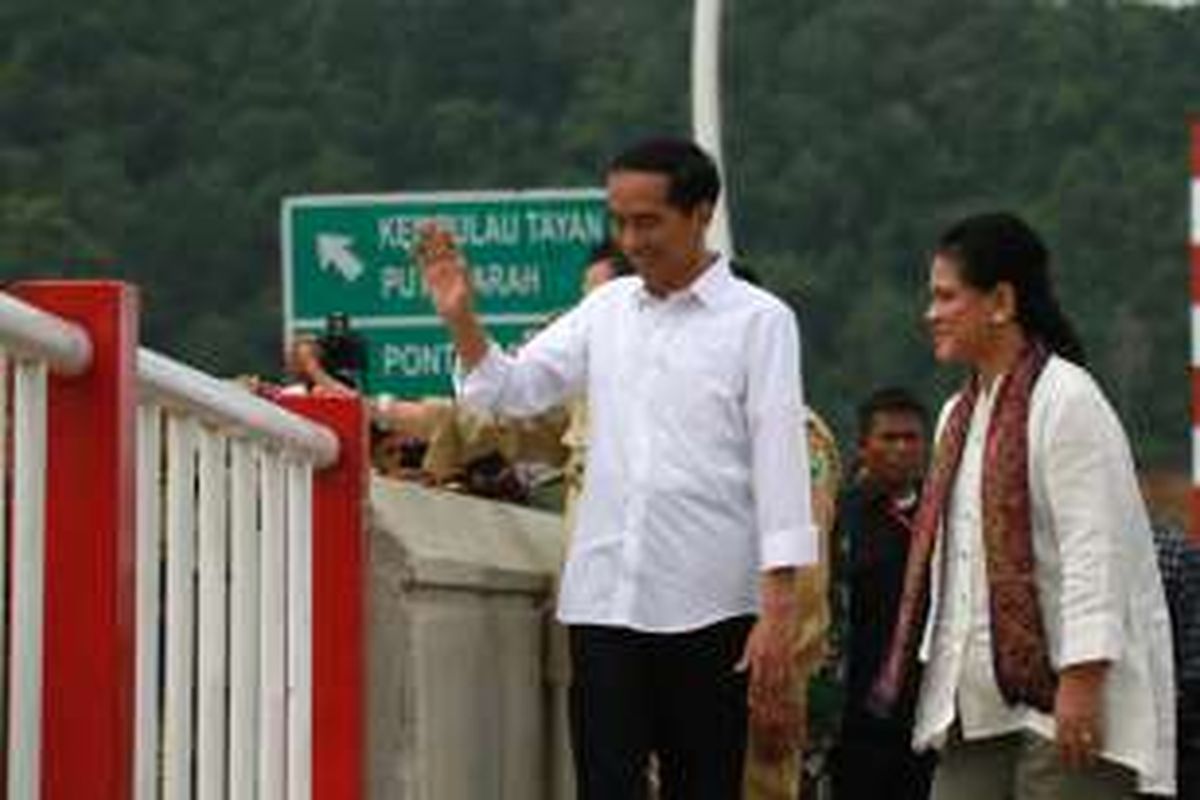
(333, 252)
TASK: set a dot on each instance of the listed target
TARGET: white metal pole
(706, 108)
(299, 584)
(180, 613)
(243, 621)
(213, 664)
(5, 427)
(149, 608)
(272, 733)
(29, 562)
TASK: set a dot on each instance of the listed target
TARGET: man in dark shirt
(874, 757)
(1179, 565)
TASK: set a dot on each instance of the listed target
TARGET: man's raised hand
(445, 272)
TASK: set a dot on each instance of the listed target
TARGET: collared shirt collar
(707, 287)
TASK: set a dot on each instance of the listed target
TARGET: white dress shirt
(1098, 586)
(697, 468)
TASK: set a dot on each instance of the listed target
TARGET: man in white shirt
(679, 590)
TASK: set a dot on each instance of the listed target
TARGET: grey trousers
(1023, 766)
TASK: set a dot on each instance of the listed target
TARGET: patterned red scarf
(1019, 654)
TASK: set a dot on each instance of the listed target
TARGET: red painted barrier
(1194, 243)
(88, 679)
(339, 601)
(89, 634)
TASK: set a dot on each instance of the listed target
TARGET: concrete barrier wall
(464, 700)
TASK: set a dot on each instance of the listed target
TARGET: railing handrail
(32, 333)
(66, 347)
(176, 385)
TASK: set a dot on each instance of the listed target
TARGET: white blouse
(1099, 589)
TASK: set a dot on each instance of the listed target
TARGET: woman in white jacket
(1031, 593)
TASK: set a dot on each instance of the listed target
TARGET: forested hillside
(154, 141)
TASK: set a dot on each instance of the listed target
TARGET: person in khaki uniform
(457, 437)
(777, 775)
(465, 450)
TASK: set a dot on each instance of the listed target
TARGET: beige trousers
(1022, 766)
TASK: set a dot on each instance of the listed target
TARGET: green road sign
(351, 254)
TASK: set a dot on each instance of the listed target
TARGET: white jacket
(1099, 587)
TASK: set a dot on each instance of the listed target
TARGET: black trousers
(676, 695)
(874, 759)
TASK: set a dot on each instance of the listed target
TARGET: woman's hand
(1079, 726)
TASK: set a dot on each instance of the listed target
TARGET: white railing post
(4, 528)
(149, 607)
(299, 549)
(29, 564)
(243, 621)
(180, 610)
(214, 580)
(273, 632)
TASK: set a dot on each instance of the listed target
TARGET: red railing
(88, 630)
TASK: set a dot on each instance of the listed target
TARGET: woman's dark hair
(692, 177)
(1000, 247)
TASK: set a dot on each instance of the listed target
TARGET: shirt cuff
(788, 547)
(1097, 638)
(480, 387)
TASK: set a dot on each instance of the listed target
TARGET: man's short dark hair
(692, 177)
(894, 399)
